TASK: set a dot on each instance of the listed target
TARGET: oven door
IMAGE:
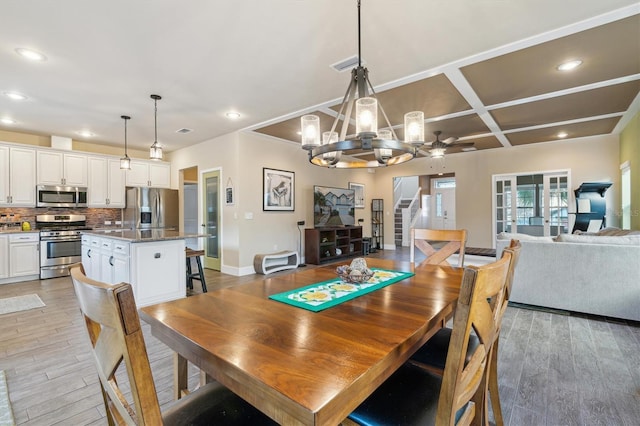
(60, 252)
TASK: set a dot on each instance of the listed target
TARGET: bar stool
(189, 253)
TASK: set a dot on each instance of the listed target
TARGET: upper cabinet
(58, 168)
(17, 176)
(149, 173)
(106, 183)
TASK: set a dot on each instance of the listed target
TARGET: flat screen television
(333, 206)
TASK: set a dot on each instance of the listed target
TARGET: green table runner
(319, 296)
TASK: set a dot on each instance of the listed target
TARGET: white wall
(590, 159)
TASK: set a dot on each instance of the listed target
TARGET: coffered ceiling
(482, 71)
(517, 95)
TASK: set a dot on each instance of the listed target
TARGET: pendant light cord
(359, 45)
(125, 137)
(155, 121)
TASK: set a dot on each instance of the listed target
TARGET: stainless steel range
(60, 244)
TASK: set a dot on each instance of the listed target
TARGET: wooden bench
(274, 262)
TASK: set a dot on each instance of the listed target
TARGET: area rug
(20, 303)
(6, 415)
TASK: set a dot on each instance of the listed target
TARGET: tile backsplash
(96, 218)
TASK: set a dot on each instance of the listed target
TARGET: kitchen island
(152, 261)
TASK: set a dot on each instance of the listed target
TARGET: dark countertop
(143, 235)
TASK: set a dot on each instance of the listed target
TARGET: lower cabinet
(4, 256)
(155, 269)
(19, 257)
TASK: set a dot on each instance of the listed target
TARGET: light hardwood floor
(554, 369)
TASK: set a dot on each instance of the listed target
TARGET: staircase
(397, 221)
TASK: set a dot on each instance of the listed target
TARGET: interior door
(211, 219)
(504, 215)
(532, 203)
(443, 204)
(556, 209)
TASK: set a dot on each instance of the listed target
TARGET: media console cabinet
(328, 244)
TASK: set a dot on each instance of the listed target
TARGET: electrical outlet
(118, 222)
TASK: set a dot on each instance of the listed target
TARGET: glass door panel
(504, 213)
(211, 217)
(556, 210)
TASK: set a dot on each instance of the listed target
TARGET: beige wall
(588, 159)
(242, 157)
(630, 151)
(94, 147)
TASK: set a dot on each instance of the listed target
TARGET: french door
(532, 203)
(211, 218)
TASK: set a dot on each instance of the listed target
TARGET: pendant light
(125, 162)
(155, 152)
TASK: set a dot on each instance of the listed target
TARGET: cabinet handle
(89, 253)
(157, 256)
(111, 261)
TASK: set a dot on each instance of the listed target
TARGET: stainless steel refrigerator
(148, 208)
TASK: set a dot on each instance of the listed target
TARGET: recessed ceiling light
(563, 134)
(569, 65)
(233, 115)
(15, 96)
(30, 54)
(7, 120)
(85, 133)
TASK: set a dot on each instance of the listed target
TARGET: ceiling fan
(438, 147)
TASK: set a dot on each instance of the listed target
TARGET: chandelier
(331, 149)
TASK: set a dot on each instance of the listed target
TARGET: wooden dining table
(298, 366)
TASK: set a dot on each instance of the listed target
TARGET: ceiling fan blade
(450, 140)
(464, 144)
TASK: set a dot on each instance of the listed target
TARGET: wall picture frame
(278, 192)
(358, 189)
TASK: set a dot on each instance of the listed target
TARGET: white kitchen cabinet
(59, 168)
(4, 256)
(149, 173)
(106, 183)
(24, 259)
(17, 176)
(86, 255)
(106, 259)
(158, 270)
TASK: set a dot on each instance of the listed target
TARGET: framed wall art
(278, 190)
(359, 194)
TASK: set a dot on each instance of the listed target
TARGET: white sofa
(593, 274)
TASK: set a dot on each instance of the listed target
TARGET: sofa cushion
(627, 240)
(523, 237)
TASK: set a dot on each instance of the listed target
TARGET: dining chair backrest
(478, 311)
(514, 249)
(116, 336)
(491, 376)
(455, 241)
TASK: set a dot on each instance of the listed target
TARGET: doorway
(443, 203)
(532, 203)
(211, 218)
(189, 181)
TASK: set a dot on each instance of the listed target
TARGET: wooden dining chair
(432, 355)
(415, 396)
(455, 241)
(116, 337)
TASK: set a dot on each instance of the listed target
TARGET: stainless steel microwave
(61, 196)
